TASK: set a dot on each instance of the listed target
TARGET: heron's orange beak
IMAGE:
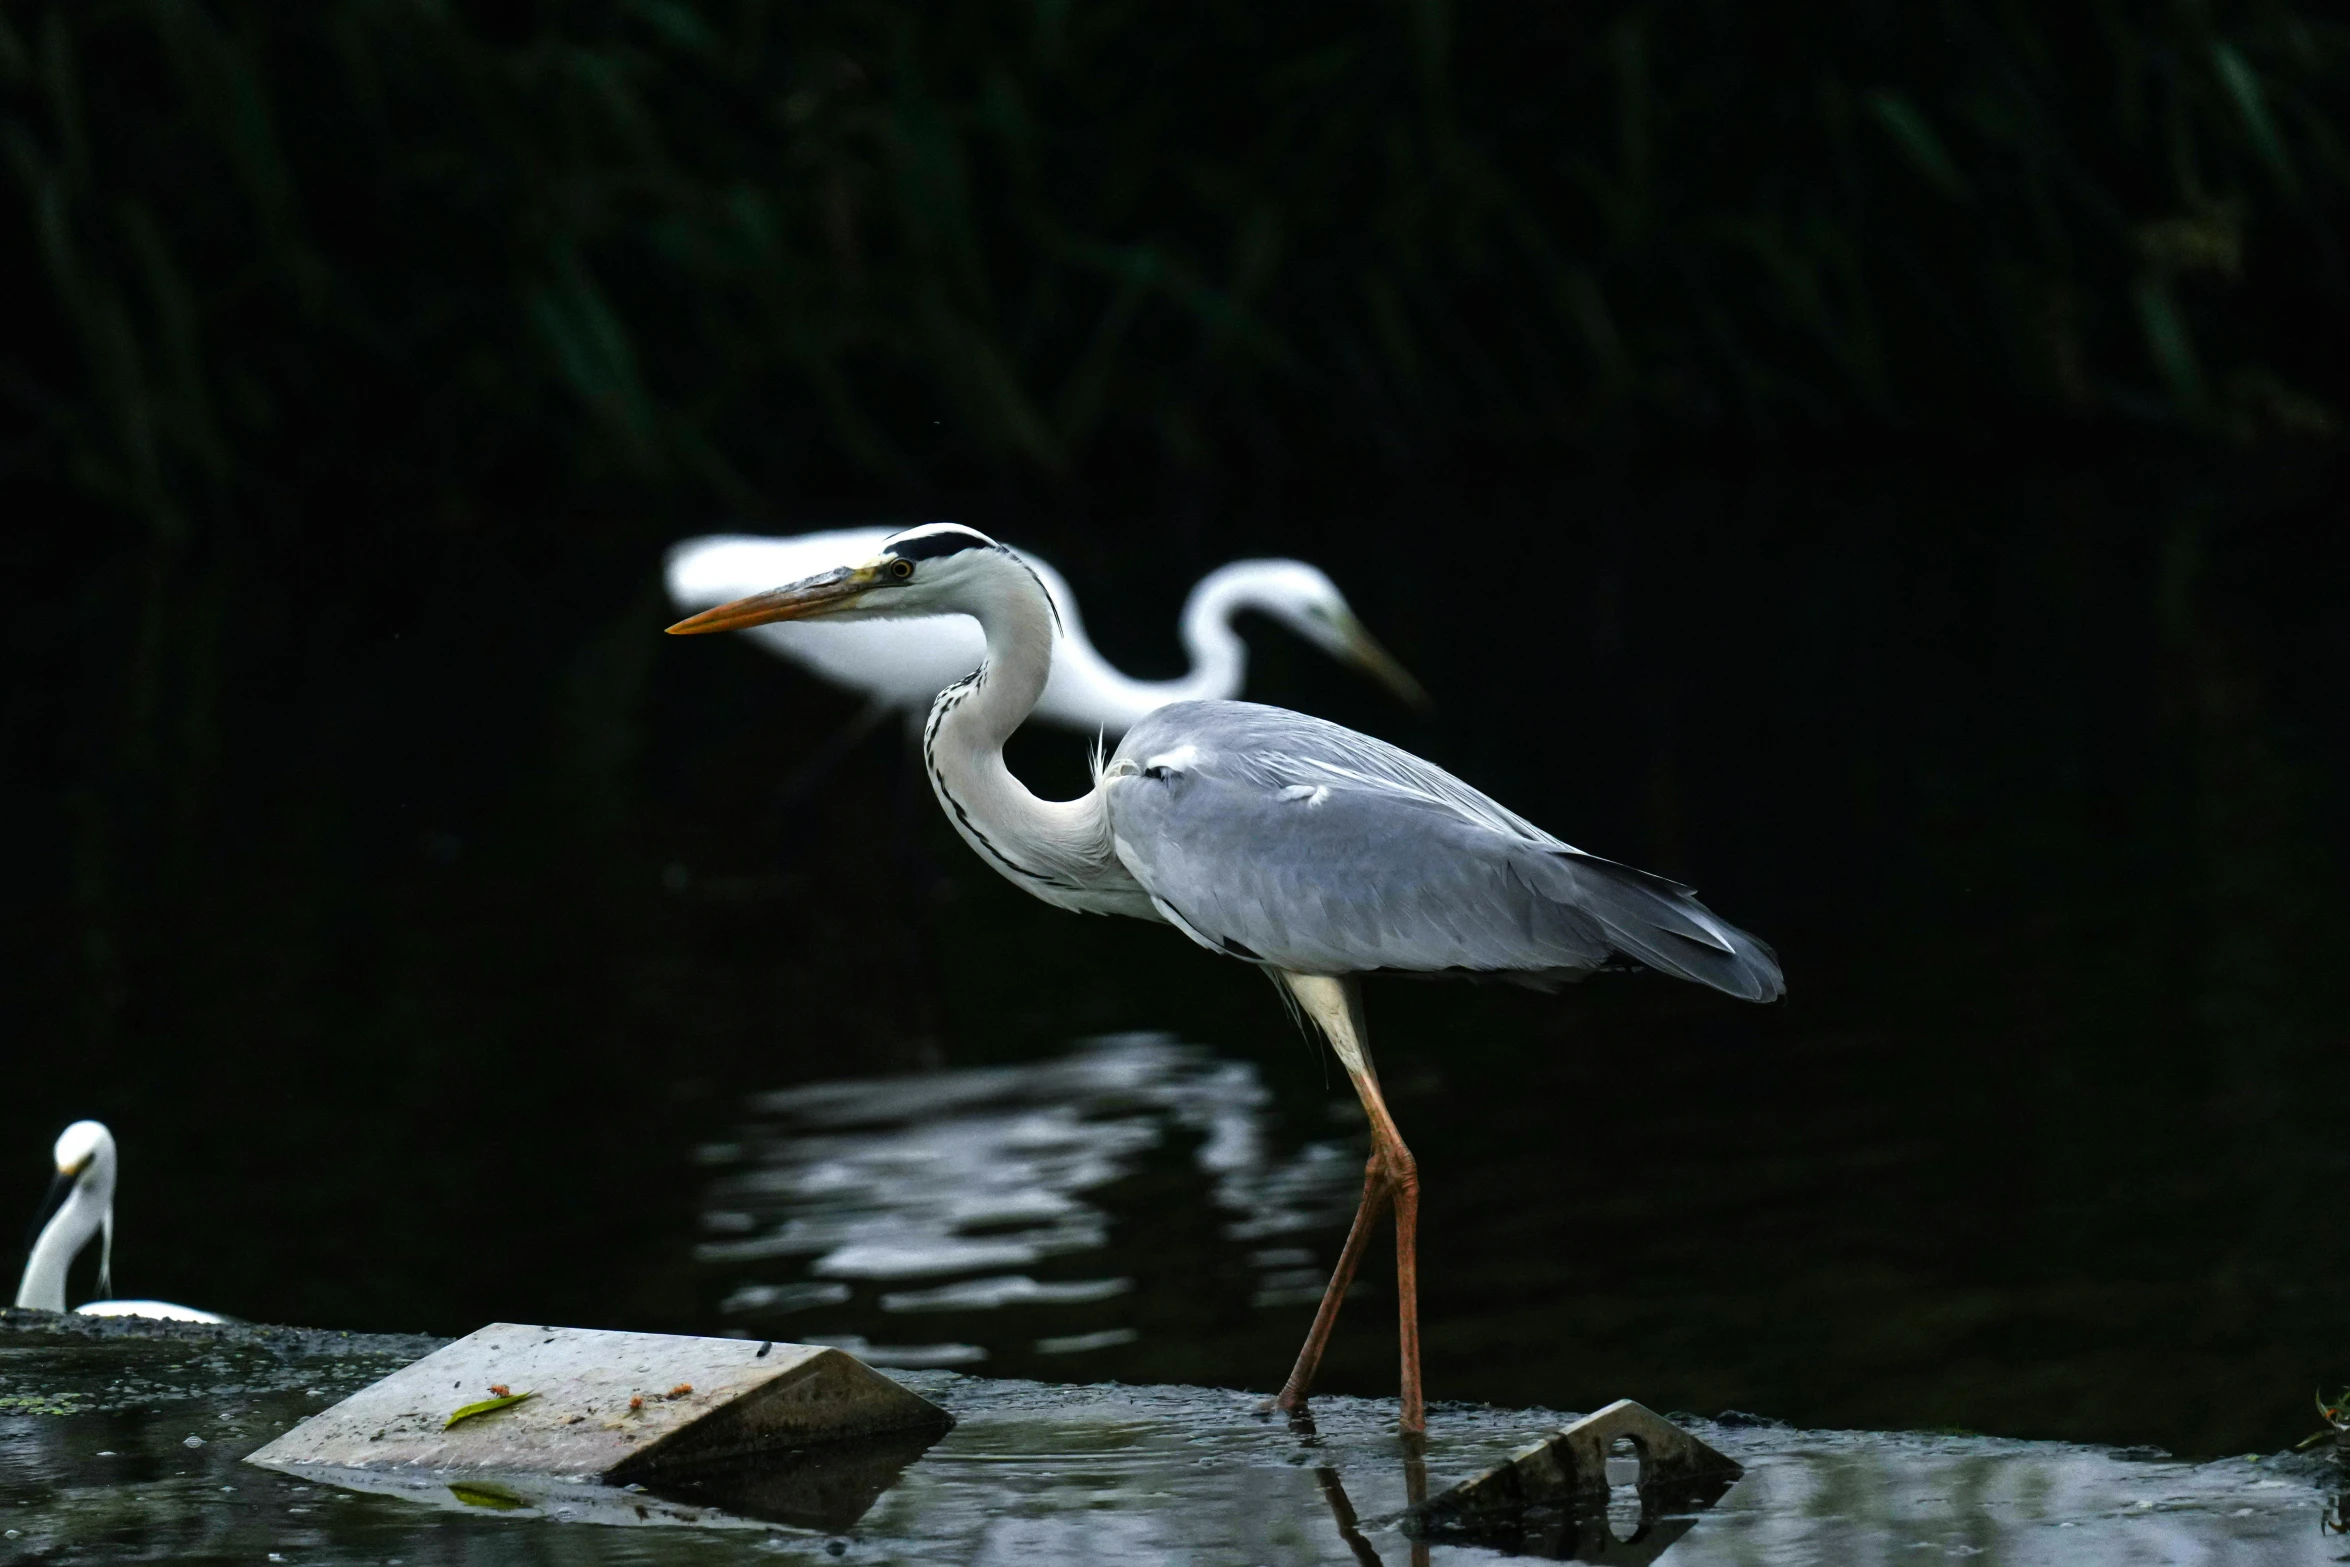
(823, 594)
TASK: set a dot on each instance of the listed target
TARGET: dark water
(490, 977)
(134, 1455)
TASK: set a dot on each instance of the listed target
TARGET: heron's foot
(1415, 1468)
(1301, 1418)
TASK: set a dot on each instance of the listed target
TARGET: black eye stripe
(946, 541)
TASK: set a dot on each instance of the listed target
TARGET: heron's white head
(1304, 599)
(940, 568)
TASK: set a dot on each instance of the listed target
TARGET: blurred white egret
(902, 665)
(80, 1205)
(1316, 853)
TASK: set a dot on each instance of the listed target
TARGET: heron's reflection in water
(1342, 1508)
(858, 1208)
(1350, 1529)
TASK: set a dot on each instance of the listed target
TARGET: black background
(1879, 465)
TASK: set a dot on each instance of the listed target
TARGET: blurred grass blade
(2171, 345)
(1916, 138)
(2244, 88)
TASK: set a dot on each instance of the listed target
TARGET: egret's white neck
(1219, 658)
(1084, 682)
(1058, 850)
(69, 1229)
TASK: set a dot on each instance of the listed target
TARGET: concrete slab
(604, 1405)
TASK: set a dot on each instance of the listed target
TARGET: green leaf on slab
(486, 1406)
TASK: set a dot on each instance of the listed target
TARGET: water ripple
(968, 1180)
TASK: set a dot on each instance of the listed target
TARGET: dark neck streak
(948, 700)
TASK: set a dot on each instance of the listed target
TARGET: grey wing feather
(1296, 842)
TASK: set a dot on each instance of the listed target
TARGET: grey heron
(901, 666)
(1314, 852)
(80, 1206)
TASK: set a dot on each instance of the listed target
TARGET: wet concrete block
(828, 1488)
(609, 1406)
(1571, 1468)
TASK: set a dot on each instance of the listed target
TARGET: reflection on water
(827, 1489)
(990, 1197)
(1629, 1527)
(148, 1469)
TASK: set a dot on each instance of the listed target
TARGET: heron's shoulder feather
(1273, 749)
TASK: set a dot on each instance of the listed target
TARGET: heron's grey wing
(1296, 842)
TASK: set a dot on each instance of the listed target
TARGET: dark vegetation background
(1882, 462)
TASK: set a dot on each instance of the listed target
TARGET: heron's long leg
(1403, 1175)
(1342, 1277)
(1336, 1006)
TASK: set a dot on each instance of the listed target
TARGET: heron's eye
(901, 569)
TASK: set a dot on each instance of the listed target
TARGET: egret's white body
(85, 1170)
(1312, 851)
(904, 664)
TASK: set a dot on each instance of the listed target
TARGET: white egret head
(1304, 599)
(85, 1153)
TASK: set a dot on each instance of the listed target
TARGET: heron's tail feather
(1660, 924)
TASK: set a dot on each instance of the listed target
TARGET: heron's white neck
(69, 1229)
(1058, 850)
